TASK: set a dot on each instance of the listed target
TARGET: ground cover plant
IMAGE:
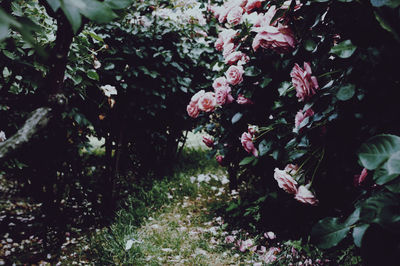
(295, 100)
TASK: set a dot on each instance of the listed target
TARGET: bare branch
(37, 120)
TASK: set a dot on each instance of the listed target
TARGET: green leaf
(236, 117)
(96, 11)
(265, 82)
(264, 147)
(346, 92)
(72, 14)
(93, 75)
(353, 218)
(358, 233)
(377, 150)
(394, 186)
(284, 88)
(328, 232)
(382, 176)
(344, 49)
(309, 45)
(247, 160)
(252, 71)
(118, 4)
(54, 4)
(393, 164)
(390, 3)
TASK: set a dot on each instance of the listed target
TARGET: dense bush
(301, 88)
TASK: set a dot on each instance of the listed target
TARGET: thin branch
(37, 120)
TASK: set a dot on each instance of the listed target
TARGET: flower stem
(330, 73)
(316, 168)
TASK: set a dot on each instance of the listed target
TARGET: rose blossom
(220, 82)
(237, 56)
(208, 141)
(270, 257)
(270, 235)
(247, 143)
(302, 80)
(235, 15)
(207, 102)
(291, 168)
(229, 239)
(220, 159)
(280, 38)
(193, 110)
(228, 49)
(225, 37)
(2, 136)
(195, 98)
(223, 95)
(244, 245)
(264, 19)
(358, 179)
(252, 129)
(243, 100)
(304, 195)
(300, 116)
(234, 75)
(252, 4)
(285, 181)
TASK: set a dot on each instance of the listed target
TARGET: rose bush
(317, 89)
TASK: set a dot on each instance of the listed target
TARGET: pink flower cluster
(201, 101)
(305, 84)
(247, 141)
(290, 185)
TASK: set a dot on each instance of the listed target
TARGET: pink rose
(300, 116)
(270, 257)
(235, 57)
(220, 159)
(208, 141)
(234, 75)
(280, 39)
(220, 82)
(304, 83)
(222, 95)
(247, 143)
(207, 102)
(304, 195)
(253, 4)
(244, 245)
(193, 110)
(235, 15)
(252, 129)
(229, 239)
(195, 98)
(358, 179)
(270, 235)
(285, 181)
(228, 49)
(224, 37)
(286, 5)
(264, 20)
(291, 168)
(243, 100)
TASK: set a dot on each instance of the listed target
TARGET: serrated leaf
(377, 150)
(344, 49)
(358, 233)
(393, 164)
(247, 160)
(346, 92)
(328, 232)
(353, 218)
